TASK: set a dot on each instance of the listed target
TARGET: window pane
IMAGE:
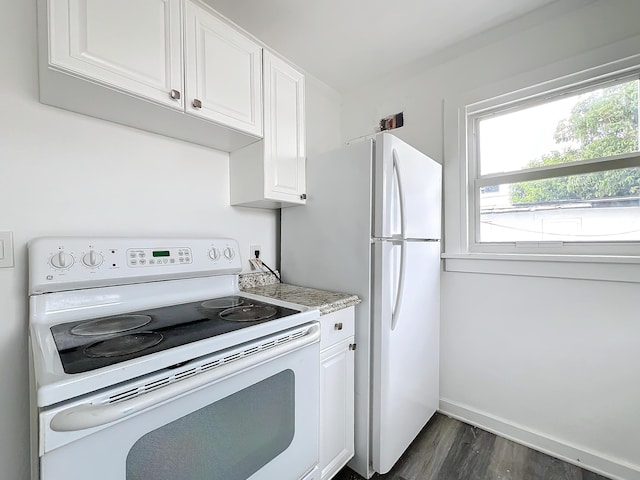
(599, 123)
(602, 206)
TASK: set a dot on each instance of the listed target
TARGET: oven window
(230, 439)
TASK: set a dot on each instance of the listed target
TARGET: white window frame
(571, 85)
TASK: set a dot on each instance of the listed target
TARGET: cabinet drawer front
(336, 327)
(132, 46)
(224, 72)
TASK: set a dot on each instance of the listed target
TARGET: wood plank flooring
(448, 449)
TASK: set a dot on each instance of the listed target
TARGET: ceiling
(345, 42)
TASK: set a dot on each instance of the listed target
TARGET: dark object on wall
(392, 121)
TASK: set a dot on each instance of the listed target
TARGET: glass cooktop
(96, 343)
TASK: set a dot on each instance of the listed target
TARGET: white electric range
(148, 347)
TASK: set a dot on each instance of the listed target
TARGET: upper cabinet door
(284, 131)
(224, 72)
(132, 46)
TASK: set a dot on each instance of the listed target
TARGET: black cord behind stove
(257, 254)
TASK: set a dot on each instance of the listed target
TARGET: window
(558, 172)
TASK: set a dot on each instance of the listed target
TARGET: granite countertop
(323, 300)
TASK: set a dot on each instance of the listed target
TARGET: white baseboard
(589, 460)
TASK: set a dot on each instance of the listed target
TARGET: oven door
(254, 416)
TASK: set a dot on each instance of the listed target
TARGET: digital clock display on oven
(161, 253)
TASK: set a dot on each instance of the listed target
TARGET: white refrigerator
(371, 226)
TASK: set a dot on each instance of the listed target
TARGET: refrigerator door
(407, 191)
(406, 308)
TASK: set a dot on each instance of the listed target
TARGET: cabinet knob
(338, 326)
(196, 103)
(174, 94)
(352, 346)
(303, 196)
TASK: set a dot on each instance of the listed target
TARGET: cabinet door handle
(303, 196)
(175, 94)
(196, 103)
(352, 346)
(338, 326)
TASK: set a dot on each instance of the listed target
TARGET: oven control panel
(68, 263)
(148, 257)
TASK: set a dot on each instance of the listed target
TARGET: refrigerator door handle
(403, 251)
(401, 199)
(400, 290)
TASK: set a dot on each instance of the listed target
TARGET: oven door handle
(89, 415)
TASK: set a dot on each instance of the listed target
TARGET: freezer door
(408, 191)
(405, 341)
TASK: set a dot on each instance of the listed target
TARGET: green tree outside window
(602, 124)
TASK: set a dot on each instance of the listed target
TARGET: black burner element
(250, 313)
(116, 324)
(224, 302)
(91, 344)
(123, 345)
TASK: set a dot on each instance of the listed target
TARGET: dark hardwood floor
(448, 449)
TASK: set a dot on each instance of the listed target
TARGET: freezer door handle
(401, 199)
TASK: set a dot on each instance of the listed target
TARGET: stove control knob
(229, 253)
(92, 259)
(61, 261)
(214, 254)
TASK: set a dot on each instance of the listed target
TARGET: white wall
(67, 174)
(551, 362)
(323, 116)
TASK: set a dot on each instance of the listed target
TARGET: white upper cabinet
(126, 61)
(134, 46)
(271, 173)
(285, 131)
(223, 71)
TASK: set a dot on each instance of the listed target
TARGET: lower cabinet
(336, 391)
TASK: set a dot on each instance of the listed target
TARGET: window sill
(580, 267)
